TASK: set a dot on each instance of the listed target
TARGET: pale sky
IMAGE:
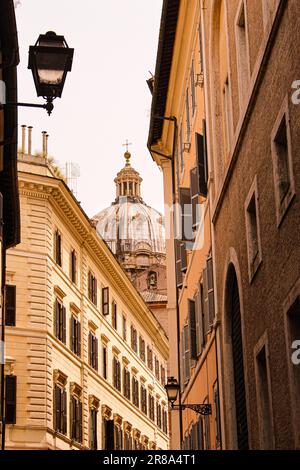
(105, 100)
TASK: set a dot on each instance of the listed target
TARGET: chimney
(29, 140)
(23, 138)
(44, 133)
(47, 137)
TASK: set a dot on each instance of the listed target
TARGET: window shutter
(202, 164)
(186, 352)
(194, 191)
(95, 291)
(90, 349)
(210, 289)
(183, 257)
(186, 215)
(56, 318)
(182, 361)
(104, 362)
(72, 333)
(73, 418)
(10, 305)
(64, 412)
(200, 339)
(205, 302)
(105, 301)
(64, 324)
(179, 277)
(57, 408)
(80, 421)
(89, 285)
(10, 398)
(96, 353)
(200, 444)
(192, 329)
(78, 339)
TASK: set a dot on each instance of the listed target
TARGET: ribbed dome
(131, 226)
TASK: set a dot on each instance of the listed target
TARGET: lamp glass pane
(51, 67)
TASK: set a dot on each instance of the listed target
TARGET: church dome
(129, 226)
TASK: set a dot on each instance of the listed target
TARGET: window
(104, 362)
(193, 94)
(185, 225)
(242, 52)
(282, 163)
(10, 305)
(200, 51)
(60, 321)
(57, 248)
(253, 231)
(116, 374)
(75, 330)
(127, 441)
(199, 313)
(200, 434)
(105, 300)
(149, 358)
(124, 328)
(60, 410)
(156, 368)
(93, 429)
(162, 375)
(202, 161)
(135, 391)
(126, 383)
(142, 349)
(151, 407)
(93, 351)
(108, 434)
(194, 194)
(134, 344)
(92, 288)
(158, 415)
(208, 295)
(179, 273)
(76, 419)
(207, 430)
(114, 315)
(217, 415)
(73, 267)
(143, 399)
(165, 421)
(265, 419)
(192, 329)
(10, 399)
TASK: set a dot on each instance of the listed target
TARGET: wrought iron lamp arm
(48, 106)
(202, 409)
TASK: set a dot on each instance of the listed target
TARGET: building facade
(135, 233)
(177, 142)
(85, 358)
(253, 139)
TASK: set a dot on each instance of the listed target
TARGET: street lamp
(172, 389)
(50, 59)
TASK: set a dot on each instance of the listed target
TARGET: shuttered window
(202, 164)
(57, 248)
(217, 415)
(200, 434)
(108, 434)
(10, 305)
(76, 419)
(183, 257)
(118, 438)
(75, 330)
(193, 94)
(179, 276)
(143, 399)
(116, 374)
(93, 351)
(194, 193)
(210, 291)
(162, 375)
(156, 368)
(199, 315)
(186, 352)
(165, 421)
(134, 344)
(93, 429)
(114, 315)
(127, 441)
(105, 300)
(104, 362)
(126, 383)
(150, 358)
(192, 329)
(151, 407)
(142, 349)
(60, 410)
(73, 267)
(158, 415)
(10, 399)
(186, 226)
(60, 321)
(92, 288)
(135, 391)
(124, 328)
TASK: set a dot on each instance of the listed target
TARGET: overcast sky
(105, 100)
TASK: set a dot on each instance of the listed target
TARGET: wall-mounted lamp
(172, 389)
(50, 59)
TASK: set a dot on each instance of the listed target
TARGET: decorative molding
(60, 378)
(106, 411)
(152, 445)
(143, 380)
(134, 370)
(10, 365)
(125, 361)
(94, 402)
(105, 339)
(74, 308)
(115, 350)
(145, 440)
(59, 292)
(117, 419)
(75, 390)
(136, 433)
(127, 426)
(92, 326)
